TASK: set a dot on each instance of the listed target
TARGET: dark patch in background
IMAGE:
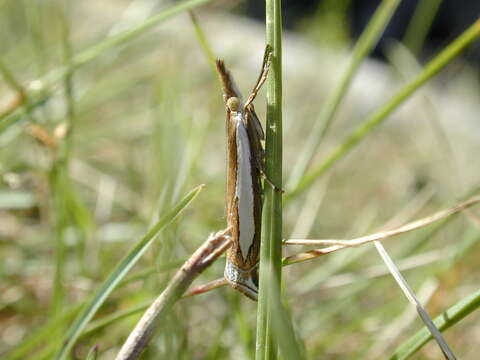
(452, 18)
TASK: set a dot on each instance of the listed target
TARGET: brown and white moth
(244, 193)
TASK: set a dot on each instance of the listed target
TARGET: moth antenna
(267, 61)
(229, 87)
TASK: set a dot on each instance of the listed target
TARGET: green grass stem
(444, 321)
(420, 24)
(122, 38)
(271, 243)
(363, 47)
(358, 134)
(119, 272)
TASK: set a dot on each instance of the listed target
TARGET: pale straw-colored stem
(139, 338)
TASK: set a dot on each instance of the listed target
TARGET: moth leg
(260, 167)
(267, 61)
(275, 187)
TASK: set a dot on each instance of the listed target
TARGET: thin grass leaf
(420, 24)
(33, 17)
(335, 245)
(401, 322)
(68, 84)
(10, 78)
(242, 327)
(363, 47)
(110, 319)
(271, 244)
(64, 199)
(358, 134)
(41, 335)
(204, 43)
(119, 272)
(93, 353)
(203, 257)
(13, 115)
(111, 42)
(444, 321)
(129, 34)
(407, 290)
(22, 101)
(282, 326)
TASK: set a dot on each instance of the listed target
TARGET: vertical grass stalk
(271, 246)
(59, 180)
(420, 24)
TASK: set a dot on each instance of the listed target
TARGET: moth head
(233, 103)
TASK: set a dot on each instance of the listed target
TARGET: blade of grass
(431, 69)
(246, 338)
(412, 298)
(60, 183)
(113, 41)
(363, 47)
(203, 257)
(405, 63)
(10, 78)
(202, 39)
(336, 245)
(21, 102)
(93, 353)
(110, 319)
(271, 243)
(16, 113)
(282, 327)
(41, 334)
(417, 224)
(420, 24)
(444, 321)
(33, 17)
(67, 84)
(124, 37)
(119, 272)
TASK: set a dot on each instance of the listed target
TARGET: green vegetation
(110, 115)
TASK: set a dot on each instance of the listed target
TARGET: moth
(245, 160)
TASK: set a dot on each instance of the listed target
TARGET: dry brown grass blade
(335, 245)
(201, 289)
(139, 338)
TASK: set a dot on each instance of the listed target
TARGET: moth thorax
(233, 103)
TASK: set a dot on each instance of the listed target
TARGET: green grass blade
(41, 334)
(119, 315)
(119, 272)
(444, 321)
(122, 38)
(111, 42)
(420, 24)
(13, 116)
(431, 69)
(61, 185)
(203, 41)
(282, 326)
(93, 353)
(364, 46)
(10, 78)
(271, 243)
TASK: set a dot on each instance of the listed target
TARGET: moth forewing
(244, 206)
(243, 198)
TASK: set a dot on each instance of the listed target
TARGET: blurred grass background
(120, 140)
